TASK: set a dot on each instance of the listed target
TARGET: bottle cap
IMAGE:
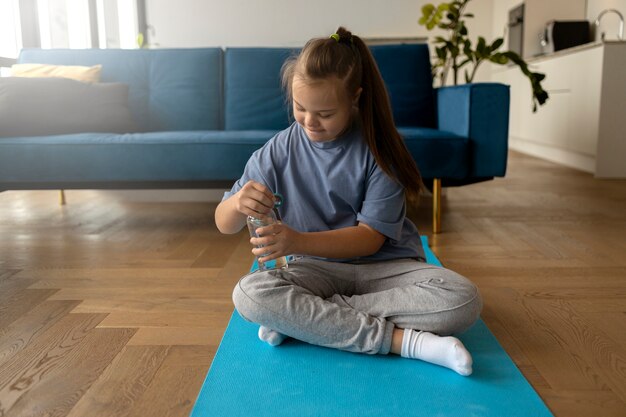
(278, 200)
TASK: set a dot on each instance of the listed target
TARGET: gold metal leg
(436, 206)
(62, 197)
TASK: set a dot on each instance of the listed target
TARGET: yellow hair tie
(335, 37)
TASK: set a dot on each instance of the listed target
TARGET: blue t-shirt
(332, 185)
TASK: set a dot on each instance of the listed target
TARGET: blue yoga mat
(251, 378)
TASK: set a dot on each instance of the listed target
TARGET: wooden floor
(116, 309)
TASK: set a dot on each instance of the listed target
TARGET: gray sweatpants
(355, 307)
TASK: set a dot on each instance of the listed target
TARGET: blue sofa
(200, 114)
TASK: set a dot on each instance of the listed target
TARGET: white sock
(271, 336)
(444, 351)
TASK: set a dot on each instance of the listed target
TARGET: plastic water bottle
(271, 218)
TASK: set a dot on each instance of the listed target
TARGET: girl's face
(322, 107)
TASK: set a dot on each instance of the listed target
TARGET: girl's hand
(277, 240)
(254, 199)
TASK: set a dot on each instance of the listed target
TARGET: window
(69, 24)
(64, 24)
(10, 29)
(117, 23)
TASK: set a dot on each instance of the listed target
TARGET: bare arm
(348, 242)
(254, 199)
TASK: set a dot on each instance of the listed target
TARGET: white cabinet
(583, 124)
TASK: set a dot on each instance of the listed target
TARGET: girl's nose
(311, 121)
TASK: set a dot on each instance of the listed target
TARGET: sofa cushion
(438, 154)
(253, 96)
(73, 72)
(169, 89)
(406, 72)
(50, 106)
(254, 99)
(207, 156)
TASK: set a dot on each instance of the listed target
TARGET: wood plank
(15, 304)
(166, 319)
(23, 331)
(611, 323)
(57, 384)
(174, 389)
(529, 322)
(118, 274)
(154, 292)
(50, 346)
(584, 403)
(122, 383)
(114, 281)
(217, 255)
(210, 334)
(139, 304)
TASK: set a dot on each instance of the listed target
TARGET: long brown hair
(346, 57)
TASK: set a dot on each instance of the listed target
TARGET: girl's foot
(270, 336)
(444, 351)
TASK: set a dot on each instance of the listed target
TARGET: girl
(359, 281)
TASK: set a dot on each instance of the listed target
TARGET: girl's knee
(461, 304)
(242, 301)
(466, 314)
(251, 293)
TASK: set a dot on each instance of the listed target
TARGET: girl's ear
(357, 96)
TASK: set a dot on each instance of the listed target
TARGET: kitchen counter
(563, 52)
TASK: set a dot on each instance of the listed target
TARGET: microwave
(563, 34)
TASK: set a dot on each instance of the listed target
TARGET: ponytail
(379, 130)
(348, 58)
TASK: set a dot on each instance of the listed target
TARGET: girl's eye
(325, 116)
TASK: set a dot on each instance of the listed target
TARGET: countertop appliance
(563, 34)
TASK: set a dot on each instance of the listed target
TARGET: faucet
(621, 22)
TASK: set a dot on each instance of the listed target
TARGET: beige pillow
(74, 72)
(57, 106)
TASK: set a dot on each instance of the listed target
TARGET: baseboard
(582, 162)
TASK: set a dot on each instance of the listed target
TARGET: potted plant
(456, 51)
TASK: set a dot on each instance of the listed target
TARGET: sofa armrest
(479, 112)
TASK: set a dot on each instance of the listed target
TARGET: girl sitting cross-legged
(358, 280)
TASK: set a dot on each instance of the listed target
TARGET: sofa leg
(436, 206)
(62, 197)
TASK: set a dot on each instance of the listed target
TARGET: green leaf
(539, 76)
(497, 43)
(499, 58)
(467, 48)
(480, 47)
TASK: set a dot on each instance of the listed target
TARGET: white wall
(197, 23)
(610, 22)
